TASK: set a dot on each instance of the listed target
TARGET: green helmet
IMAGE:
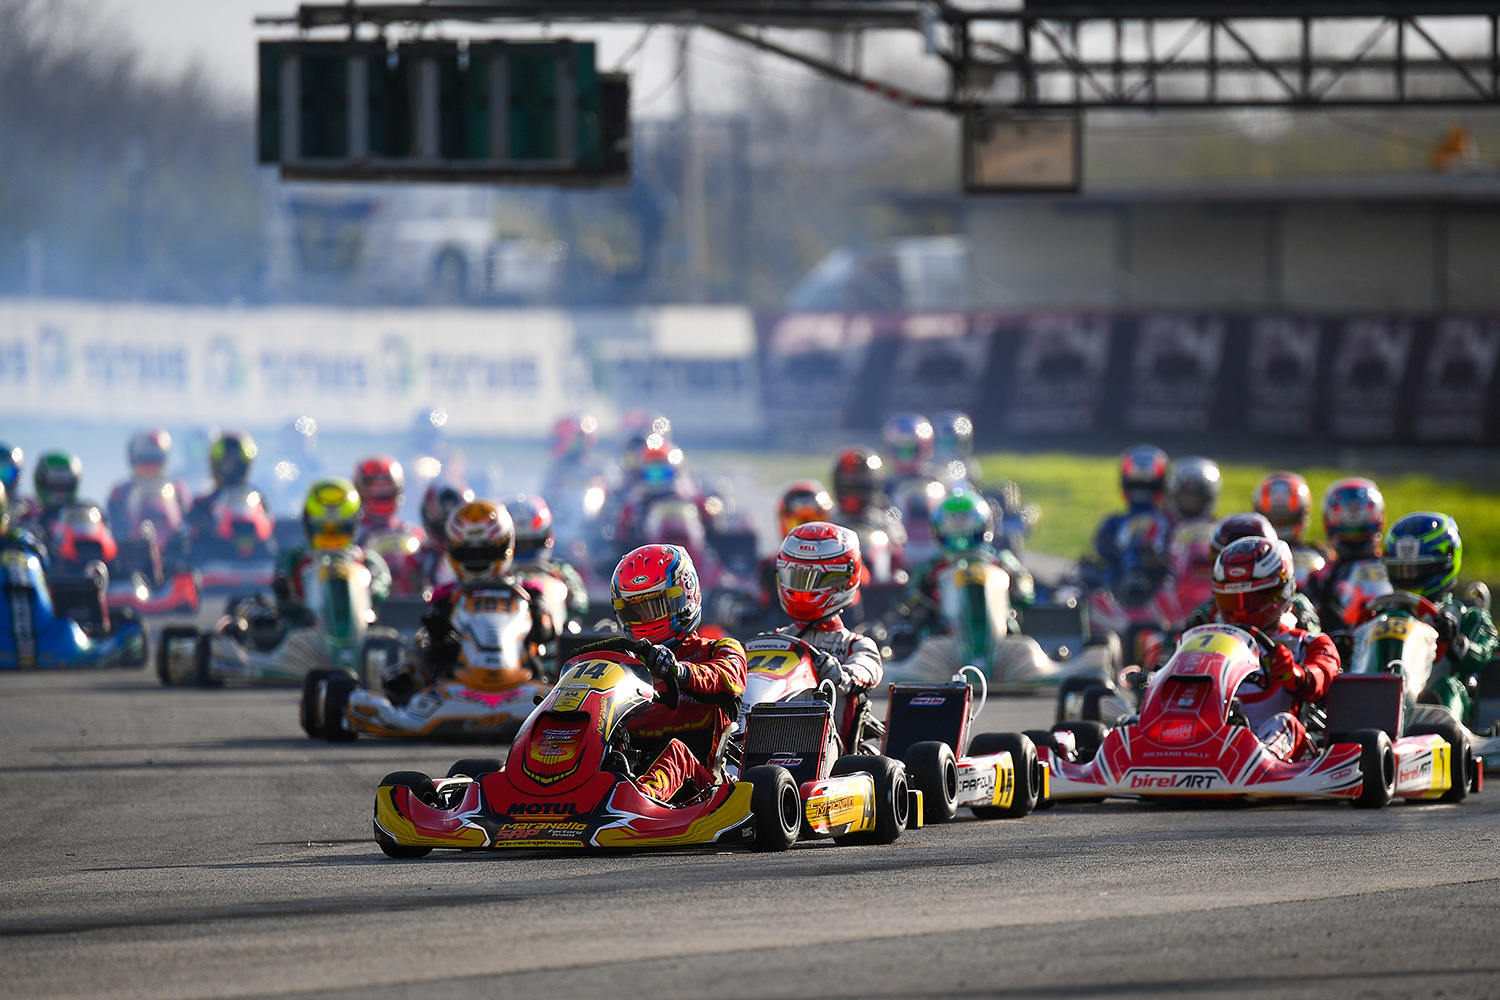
(1423, 553)
(56, 478)
(962, 522)
(229, 457)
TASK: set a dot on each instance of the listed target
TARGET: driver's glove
(1446, 621)
(1285, 670)
(662, 663)
(831, 668)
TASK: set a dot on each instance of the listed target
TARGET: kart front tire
(1028, 768)
(1378, 761)
(422, 787)
(310, 709)
(203, 662)
(777, 808)
(170, 635)
(1458, 755)
(475, 767)
(892, 800)
(932, 770)
(141, 655)
(340, 685)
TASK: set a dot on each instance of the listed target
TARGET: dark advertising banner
(1355, 379)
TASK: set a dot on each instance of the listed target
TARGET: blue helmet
(1423, 553)
(10, 466)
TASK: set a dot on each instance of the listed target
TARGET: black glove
(1446, 621)
(662, 662)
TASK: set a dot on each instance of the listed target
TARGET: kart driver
(330, 517)
(147, 452)
(1423, 553)
(1284, 499)
(860, 503)
(965, 529)
(657, 598)
(803, 501)
(1131, 544)
(381, 483)
(1254, 582)
(1230, 528)
(817, 576)
(480, 539)
(1353, 519)
(534, 547)
(229, 459)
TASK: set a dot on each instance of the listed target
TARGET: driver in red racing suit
(1255, 580)
(657, 598)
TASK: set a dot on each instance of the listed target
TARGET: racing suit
(1131, 547)
(1301, 668)
(1336, 589)
(1022, 586)
(1467, 643)
(711, 676)
(291, 601)
(851, 661)
(577, 603)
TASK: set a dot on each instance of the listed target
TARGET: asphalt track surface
(187, 843)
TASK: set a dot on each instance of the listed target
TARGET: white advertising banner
(511, 372)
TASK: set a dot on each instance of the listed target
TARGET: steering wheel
(799, 644)
(1404, 601)
(638, 648)
(1267, 647)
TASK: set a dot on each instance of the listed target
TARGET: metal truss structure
(1062, 56)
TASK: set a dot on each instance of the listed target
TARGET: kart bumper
(448, 710)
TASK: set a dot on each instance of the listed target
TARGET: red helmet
(381, 483)
(1143, 475)
(1254, 582)
(148, 451)
(574, 435)
(856, 478)
(818, 571)
(802, 501)
(1232, 526)
(656, 593)
(1284, 499)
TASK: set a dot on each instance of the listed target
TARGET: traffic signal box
(488, 111)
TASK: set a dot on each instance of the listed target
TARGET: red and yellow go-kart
(1191, 740)
(567, 781)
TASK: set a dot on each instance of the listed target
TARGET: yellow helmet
(331, 514)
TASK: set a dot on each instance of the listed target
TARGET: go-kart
(34, 633)
(145, 577)
(252, 645)
(80, 544)
(568, 781)
(1192, 741)
(995, 776)
(1396, 640)
(496, 683)
(401, 548)
(235, 546)
(780, 668)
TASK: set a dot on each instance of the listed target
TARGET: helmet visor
(1250, 606)
(812, 577)
(1410, 574)
(644, 609)
(476, 558)
(331, 536)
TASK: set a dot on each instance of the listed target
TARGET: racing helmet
(574, 436)
(656, 594)
(1255, 580)
(330, 515)
(10, 465)
(802, 501)
(953, 436)
(1193, 487)
(907, 438)
(1284, 499)
(1423, 553)
(1143, 475)
(658, 463)
(481, 541)
(636, 428)
(381, 483)
(148, 451)
(962, 522)
(56, 478)
(438, 502)
(229, 457)
(1233, 526)
(818, 571)
(856, 478)
(533, 523)
(1353, 514)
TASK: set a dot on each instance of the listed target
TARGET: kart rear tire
(891, 799)
(310, 710)
(777, 807)
(1458, 756)
(932, 770)
(475, 767)
(1090, 710)
(340, 686)
(203, 663)
(379, 640)
(1087, 736)
(133, 661)
(169, 635)
(1071, 687)
(1028, 773)
(1376, 759)
(421, 786)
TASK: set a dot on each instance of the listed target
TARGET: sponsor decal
(928, 700)
(638, 580)
(976, 783)
(1422, 770)
(1174, 780)
(785, 761)
(542, 809)
(1177, 731)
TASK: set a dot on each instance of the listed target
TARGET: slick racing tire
(1378, 762)
(310, 709)
(1028, 773)
(475, 767)
(381, 648)
(891, 797)
(1458, 755)
(203, 663)
(931, 770)
(170, 635)
(422, 787)
(340, 686)
(1087, 736)
(141, 655)
(1070, 696)
(776, 806)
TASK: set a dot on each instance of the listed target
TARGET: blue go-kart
(35, 635)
